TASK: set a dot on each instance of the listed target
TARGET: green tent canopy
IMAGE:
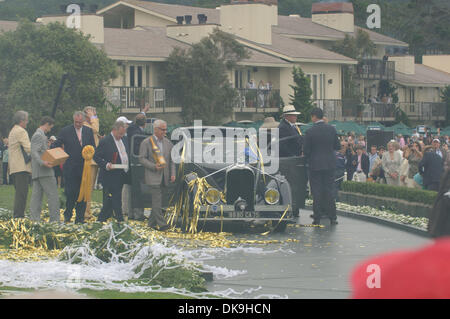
(376, 124)
(400, 128)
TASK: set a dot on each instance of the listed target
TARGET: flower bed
(420, 222)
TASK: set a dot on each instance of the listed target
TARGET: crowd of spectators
(417, 161)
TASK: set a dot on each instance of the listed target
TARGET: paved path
(318, 266)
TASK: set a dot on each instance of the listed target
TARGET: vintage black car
(234, 193)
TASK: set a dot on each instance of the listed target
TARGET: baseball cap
(124, 119)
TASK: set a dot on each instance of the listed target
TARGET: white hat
(437, 140)
(52, 138)
(290, 109)
(124, 119)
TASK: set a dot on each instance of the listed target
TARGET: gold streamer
(279, 221)
(86, 181)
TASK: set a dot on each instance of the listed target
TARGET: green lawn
(99, 294)
(7, 196)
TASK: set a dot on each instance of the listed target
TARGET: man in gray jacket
(157, 177)
(43, 174)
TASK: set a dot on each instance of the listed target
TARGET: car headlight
(212, 196)
(272, 196)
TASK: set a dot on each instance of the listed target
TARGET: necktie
(298, 130)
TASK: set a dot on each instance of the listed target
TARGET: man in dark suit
(137, 128)
(321, 141)
(431, 168)
(113, 149)
(74, 138)
(290, 148)
(291, 140)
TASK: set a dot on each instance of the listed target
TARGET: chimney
(250, 19)
(202, 18)
(404, 64)
(180, 19)
(335, 15)
(188, 19)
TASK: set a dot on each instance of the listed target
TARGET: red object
(115, 154)
(413, 274)
(332, 7)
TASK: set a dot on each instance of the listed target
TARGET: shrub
(383, 190)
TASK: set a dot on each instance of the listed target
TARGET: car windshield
(220, 146)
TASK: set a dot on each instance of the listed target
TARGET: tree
(301, 99)
(33, 60)
(446, 99)
(197, 77)
(357, 48)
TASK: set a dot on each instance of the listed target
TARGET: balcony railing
(126, 97)
(332, 109)
(425, 111)
(349, 109)
(257, 100)
(372, 69)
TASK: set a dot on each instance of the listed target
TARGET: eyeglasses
(162, 129)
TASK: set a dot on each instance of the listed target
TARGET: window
(139, 76)
(238, 78)
(132, 75)
(318, 85)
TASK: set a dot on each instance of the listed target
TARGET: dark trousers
(112, 202)
(322, 184)
(72, 185)
(338, 177)
(21, 184)
(156, 217)
(5, 174)
(433, 187)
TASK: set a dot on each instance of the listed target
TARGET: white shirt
(79, 135)
(122, 151)
(160, 144)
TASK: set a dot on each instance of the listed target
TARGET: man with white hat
(291, 139)
(291, 144)
(124, 120)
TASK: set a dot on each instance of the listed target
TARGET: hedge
(400, 192)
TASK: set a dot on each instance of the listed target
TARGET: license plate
(243, 215)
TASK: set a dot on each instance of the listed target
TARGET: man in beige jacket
(157, 177)
(19, 170)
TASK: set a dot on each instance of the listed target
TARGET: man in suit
(444, 154)
(19, 143)
(431, 168)
(360, 164)
(113, 149)
(137, 128)
(321, 141)
(291, 140)
(73, 138)
(43, 175)
(290, 146)
(156, 176)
